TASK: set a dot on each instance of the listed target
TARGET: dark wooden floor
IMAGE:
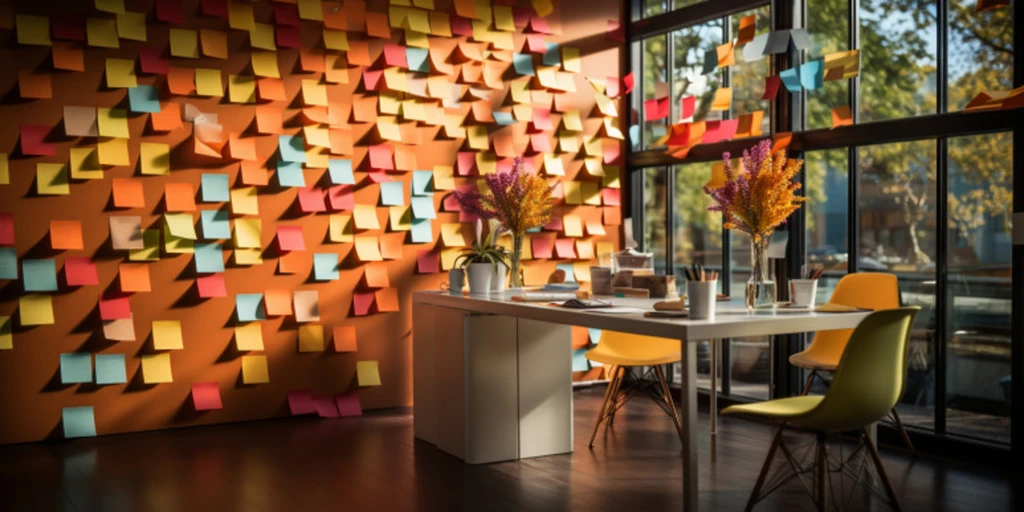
(373, 463)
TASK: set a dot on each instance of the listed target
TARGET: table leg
(715, 347)
(688, 409)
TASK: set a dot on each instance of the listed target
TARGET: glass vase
(516, 276)
(760, 286)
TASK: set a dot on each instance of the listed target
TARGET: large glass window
(697, 234)
(827, 212)
(690, 45)
(655, 73)
(980, 51)
(747, 78)
(655, 210)
(828, 22)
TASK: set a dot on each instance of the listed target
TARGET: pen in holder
(701, 295)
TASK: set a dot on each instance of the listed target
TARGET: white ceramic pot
(499, 278)
(479, 275)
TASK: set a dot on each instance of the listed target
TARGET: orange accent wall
(31, 393)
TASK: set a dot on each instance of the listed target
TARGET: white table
(492, 377)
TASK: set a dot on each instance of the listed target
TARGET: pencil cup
(803, 291)
(701, 295)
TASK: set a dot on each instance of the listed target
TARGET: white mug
(456, 278)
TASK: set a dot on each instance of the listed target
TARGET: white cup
(702, 297)
(803, 291)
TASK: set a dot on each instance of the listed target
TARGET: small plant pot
(499, 277)
(479, 275)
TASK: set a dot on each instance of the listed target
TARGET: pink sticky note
(348, 404)
(466, 163)
(565, 248)
(311, 200)
(115, 308)
(362, 302)
(628, 82)
(6, 229)
(80, 272)
(450, 203)
(289, 238)
(382, 156)
(341, 198)
(461, 26)
(542, 247)
(325, 406)
(535, 43)
(613, 89)
(558, 191)
(687, 103)
(288, 37)
(554, 225)
(68, 26)
(372, 79)
(216, 8)
(170, 11)
(394, 55)
(611, 197)
(211, 286)
(729, 127)
(542, 118)
(712, 132)
(539, 24)
(612, 150)
(656, 109)
(300, 401)
(771, 87)
(428, 262)
(540, 143)
(286, 14)
(152, 61)
(33, 141)
(206, 396)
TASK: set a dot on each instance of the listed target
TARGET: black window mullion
(942, 305)
(1017, 286)
(852, 173)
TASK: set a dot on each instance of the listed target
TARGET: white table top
(732, 319)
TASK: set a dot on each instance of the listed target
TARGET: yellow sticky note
(241, 89)
(208, 82)
(112, 122)
(248, 234)
(156, 368)
(184, 43)
(154, 158)
(311, 10)
(611, 177)
(572, 225)
(132, 26)
(581, 270)
(486, 163)
(167, 335)
(264, 64)
(311, 338)
(248, 256)
(121, 73)
(174, 244)
(368, 373)
(244, 201)
(5, 169)
(6, 333)
(101, 32)
(451, 234)
(572, 192)
(444, 177)
(181, 225)
(52, 179)
(553, 165)
(249, 336)
(366, 216)
(262, 36)
(85, 164)
(314, 93)
(401, 218)
(571, 59)
(150, 247)
(605, 249)
(111, 6)
(341, 228)
(448, 257)
(254, 370)
(606, 105)
(572, 122)
(611, 127)
(317, 137)
(336, 39)
(240, 16)
(387, 127)
(503, 19)
(33, 30)
(477, 135)
(368, 248)
(35, 309)
(591, 193)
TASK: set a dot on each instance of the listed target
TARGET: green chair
(867, 384)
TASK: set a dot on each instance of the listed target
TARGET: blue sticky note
(78, 422)
(595, 335)
(634, 135)
(552, 57)
(423, 207)
(110, 369)
(812, 74)
(325, 267)
(533, 230)
(523, 63)
(421, 183)
(417, 59)
(143, 98)
(790, 80)
(209, 258)
(216, 224)
(570, 276)
(289, 174)
(215, 188)
(8, 263)
(249, 307)
(39, 275)
(579, 360)
(341, 171)
(503, 118)
(421, 231)
(76, 368)
(391, 193)
(292, 148)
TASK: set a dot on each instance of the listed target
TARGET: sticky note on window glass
(167, 335)
(368, 373)
(249, 337)
(249, 307)
(254, 369)
(156, 368)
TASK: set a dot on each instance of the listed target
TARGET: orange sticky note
(68, 57)
(747, 27)
(268, 120)
(128, 193)
(134, 277)
(723, 99)
(66, 235)
(215, 43)
(391, 245)
(841, 116)
(168, 119)
(271, 89)
(254, 173)
(376, 275)
(726, 55)
(180, 197)
(345, 338)
(278, 302)
(181, 81)
(377, 25)
(387, 300)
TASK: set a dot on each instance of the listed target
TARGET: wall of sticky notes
(216, 210)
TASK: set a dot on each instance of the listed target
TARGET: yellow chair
(867, 290)
(618, 351)
(868, 383)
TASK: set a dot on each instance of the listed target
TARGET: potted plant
(484, 262)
